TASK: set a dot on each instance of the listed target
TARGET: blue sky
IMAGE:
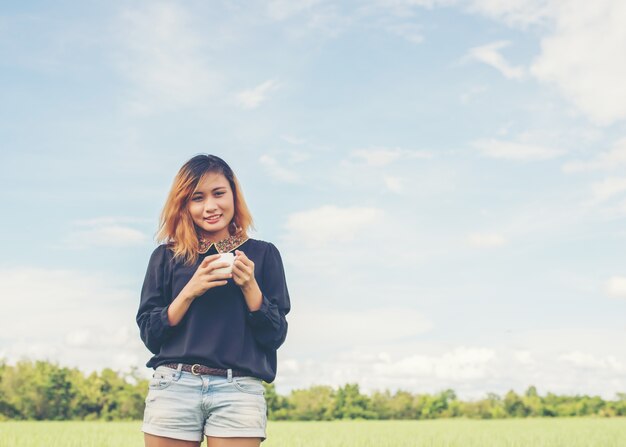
(444, 179)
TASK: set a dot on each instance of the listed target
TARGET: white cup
(225, 257)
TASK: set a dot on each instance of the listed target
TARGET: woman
(214, 335)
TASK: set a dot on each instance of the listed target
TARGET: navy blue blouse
(218, 329)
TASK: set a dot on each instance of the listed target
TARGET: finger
(207, 277)
(242, 264)
(239, 269)
(209, 259)
(241, 275)
(238, 280)
(212, 257)
(216, 265)
(217, 276)
(241, 255)
(217, 284)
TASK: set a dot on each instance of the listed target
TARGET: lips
(213, 219)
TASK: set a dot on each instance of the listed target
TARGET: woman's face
(212, 206)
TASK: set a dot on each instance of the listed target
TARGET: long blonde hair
(176, 227)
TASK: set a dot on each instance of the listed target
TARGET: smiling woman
(213, 326)
(205, 188)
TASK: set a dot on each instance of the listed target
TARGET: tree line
(41, 390)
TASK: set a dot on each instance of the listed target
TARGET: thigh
(212, 441)
(160, 441)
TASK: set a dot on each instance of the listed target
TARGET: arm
(179, 307)
(152, 315)
(202, 280)
(158, 315)
(268, 321)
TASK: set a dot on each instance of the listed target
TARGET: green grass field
(574, 432)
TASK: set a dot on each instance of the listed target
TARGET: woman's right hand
(204, 278)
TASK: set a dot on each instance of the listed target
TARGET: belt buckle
(193, 369)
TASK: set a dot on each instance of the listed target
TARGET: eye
(195, 199)
(219, 193)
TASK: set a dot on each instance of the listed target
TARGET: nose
(210, 206)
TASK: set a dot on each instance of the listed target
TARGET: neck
(209, 237)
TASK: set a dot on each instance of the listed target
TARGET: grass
(560, 432)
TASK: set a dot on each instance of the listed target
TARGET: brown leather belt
(197, 370)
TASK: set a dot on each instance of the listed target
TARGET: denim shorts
(185, 406)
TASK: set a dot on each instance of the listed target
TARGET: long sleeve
(268, 323)
(154, 326)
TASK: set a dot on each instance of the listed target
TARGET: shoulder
(162, 249)
(161, 253)
(260, 246)
(267, 252)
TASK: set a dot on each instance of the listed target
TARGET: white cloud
(117, 336)
(109, 236)
(109, 220)
(402, 8)
(574, 361)
(252, 98)
(329, 223)
(616, 286)
(344, 329)
(320, 18)
(581, 47)
(79, 337)
(515, 151)
(382, 156)
(471, 93)
(298, 156)
(525, 358)
(490, 55)
(611, 160)
(74, 317)
(461, 363)
(481, 240)
(376, 369)
(408, 31)
(608, 188)
(519, 13)
(289, 365)
(285, 9)
(104, 232)
(346, 260)
(590, 361)
(277, 171)
(48, 293)
(293, 140)
(164, 59)
(583, 57)
(400, 171)
(394, 184)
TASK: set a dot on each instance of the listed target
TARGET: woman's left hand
(243, 270)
